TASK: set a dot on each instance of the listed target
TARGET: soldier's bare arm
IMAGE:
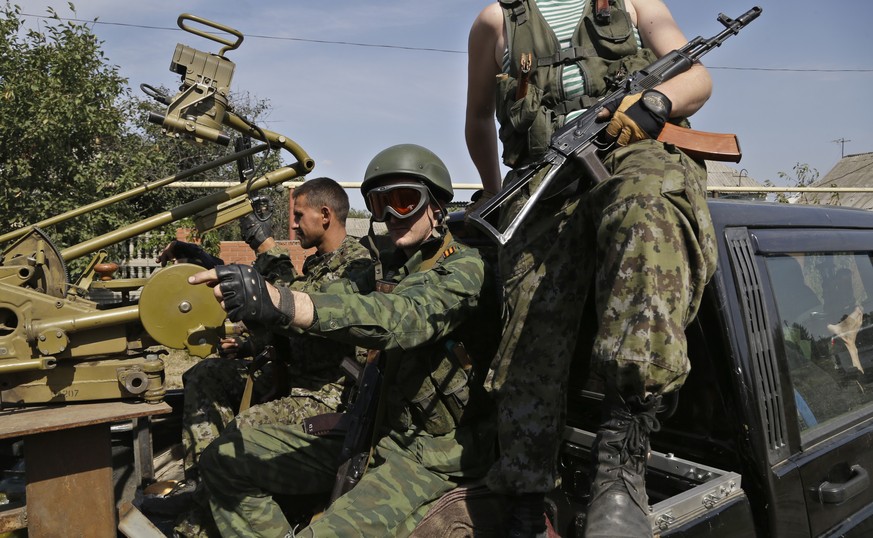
(659, 32)
(485, 53)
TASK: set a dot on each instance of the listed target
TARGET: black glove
(638, 117)
(194, 254)
(246, 296)
(254, 230)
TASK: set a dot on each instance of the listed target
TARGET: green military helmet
(410, 160)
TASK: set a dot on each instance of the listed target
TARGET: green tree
(802, 175)
(59, 122)
(359, 213)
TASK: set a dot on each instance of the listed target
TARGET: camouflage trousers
(214, 389)
(408, 472)
(642, 243)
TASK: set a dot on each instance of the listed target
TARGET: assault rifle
(580, 141)
(362, 421)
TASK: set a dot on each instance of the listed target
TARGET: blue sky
(789, 85)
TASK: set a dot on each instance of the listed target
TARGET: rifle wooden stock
(702, 144)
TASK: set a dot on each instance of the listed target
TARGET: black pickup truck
(772, 434)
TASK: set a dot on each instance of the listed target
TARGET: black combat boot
(527, 516)
(619, 505)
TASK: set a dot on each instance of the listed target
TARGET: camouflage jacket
(351, 258)
(418, 326)
(313, 361)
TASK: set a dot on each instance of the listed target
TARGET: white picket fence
(136, 260)
(139, 261)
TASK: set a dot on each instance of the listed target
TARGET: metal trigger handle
(229, 45)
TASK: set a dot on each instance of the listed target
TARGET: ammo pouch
(526, 125)
(442, 400)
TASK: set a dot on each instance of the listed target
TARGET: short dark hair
(324, 191)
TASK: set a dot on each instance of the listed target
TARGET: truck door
(822, 290)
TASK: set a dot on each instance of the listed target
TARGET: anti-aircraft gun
(57, 344)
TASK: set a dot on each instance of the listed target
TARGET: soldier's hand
(229, 347)
(236, 347)
(254, 230)
(246, 296)
(478, 199)
(167, 255)
(187, 252)
(637, 117)
(243, 293)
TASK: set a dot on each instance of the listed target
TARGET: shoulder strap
(515, 9)
(602, 12)
(443, 252)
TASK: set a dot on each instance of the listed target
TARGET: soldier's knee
(218, 467)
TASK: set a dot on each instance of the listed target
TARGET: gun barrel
(269, 179)
(749, 16)
(136, 191)
(78, 322)
(732, 27)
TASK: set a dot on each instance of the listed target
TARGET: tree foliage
(359, 213)
(59, 121)
(72, 133)
(802, 175)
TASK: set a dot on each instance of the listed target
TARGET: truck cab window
(825, 313)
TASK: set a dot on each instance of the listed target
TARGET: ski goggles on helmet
(402, 200)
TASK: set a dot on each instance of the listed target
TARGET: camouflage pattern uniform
(418, 456)
(643, 243)
(214, 387)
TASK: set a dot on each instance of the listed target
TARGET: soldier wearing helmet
(429, 322)
(398, 183)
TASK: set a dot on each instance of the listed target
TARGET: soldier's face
(309, 223)
(413, 229)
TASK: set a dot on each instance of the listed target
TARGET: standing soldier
(641, 242)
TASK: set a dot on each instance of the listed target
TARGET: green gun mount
(57, 344)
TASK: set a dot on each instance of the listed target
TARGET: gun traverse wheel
(179, 315)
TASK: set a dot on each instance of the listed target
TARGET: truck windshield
(825, 305)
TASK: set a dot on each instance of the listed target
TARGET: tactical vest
(603, 46)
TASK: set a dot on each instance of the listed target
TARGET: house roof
(357, 227)
(851, 171)
(718, 174)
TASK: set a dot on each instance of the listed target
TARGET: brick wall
(239, 252)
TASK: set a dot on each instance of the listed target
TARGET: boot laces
(639, 425)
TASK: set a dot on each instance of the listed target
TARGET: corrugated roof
(357, 227)
(718, 174)
(850, 171)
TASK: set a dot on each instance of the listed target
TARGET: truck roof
(768, 214)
